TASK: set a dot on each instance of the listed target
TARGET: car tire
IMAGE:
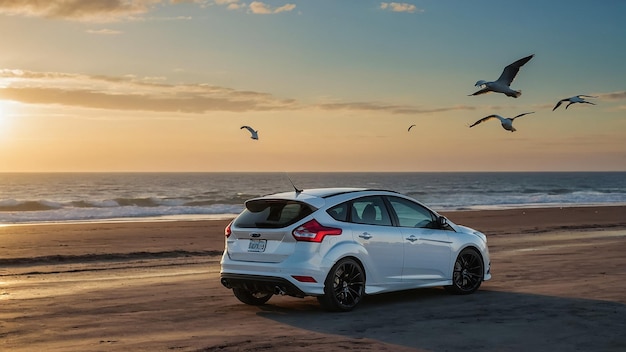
(468, 272)
(251, 298)
(344, 286)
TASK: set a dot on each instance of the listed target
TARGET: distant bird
(501, 85)
(507, 123)
(573, 100)
(254, 134)
(410, 127)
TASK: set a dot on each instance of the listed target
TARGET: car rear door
(372, 228)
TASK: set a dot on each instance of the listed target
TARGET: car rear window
(272, 213)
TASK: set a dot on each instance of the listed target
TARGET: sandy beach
(559, 284)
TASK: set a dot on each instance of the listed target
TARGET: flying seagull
(410, 127)
(507, 123)
(254, 134)
(501, 85)
(573, 100)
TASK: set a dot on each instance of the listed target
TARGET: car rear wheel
(468, 272)
(344, 286)
(252, 298)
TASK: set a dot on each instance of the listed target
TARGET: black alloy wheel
(468, 272)
(344, 287)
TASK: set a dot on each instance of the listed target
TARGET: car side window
(371, 211)
(411, 214)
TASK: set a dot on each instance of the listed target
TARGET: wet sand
(559, 284)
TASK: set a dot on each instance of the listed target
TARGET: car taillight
(304, 278)
(313, 231)
(227, 230)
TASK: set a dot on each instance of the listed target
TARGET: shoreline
(539, 220)
(166, 218)
(223, 217)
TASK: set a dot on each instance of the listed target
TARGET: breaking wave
(30, 211)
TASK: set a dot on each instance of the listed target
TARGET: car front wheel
(468, 272)
(344, 286)
(251, 298)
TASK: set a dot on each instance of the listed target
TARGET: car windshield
(272, 213)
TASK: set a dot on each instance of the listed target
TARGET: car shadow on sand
(431, 319)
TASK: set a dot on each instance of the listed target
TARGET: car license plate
(257, 245)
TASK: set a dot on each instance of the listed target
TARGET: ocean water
(76, 197)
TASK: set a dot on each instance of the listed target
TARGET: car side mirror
(442, 222)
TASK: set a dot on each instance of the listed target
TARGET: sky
(330, 85)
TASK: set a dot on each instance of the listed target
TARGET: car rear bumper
(256, 283)
(285, 276)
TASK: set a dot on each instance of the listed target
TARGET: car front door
(427, 249)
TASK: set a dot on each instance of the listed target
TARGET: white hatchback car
(339, 244)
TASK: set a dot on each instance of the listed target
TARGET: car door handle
(365, 235)
(412, 238)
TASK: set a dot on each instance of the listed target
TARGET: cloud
(79, 10)
(105, 11)
(103, 31)
(156, 95)
(285, 8)
(260, 8)
(255, 7)
(201, 2)
(613, 95)
(389, 108)
(131, 93)
(400, 7)
(231, 4)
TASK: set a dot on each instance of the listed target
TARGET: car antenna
(298, 191)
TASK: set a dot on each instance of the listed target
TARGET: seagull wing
(511, 70)
(559, 104)
(254, 134)
(410, 127)
(482, 91)
(520, 115)
(586, 96)
(484, 119)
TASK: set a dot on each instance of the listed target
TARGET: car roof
(313, 192)
(315, 196)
